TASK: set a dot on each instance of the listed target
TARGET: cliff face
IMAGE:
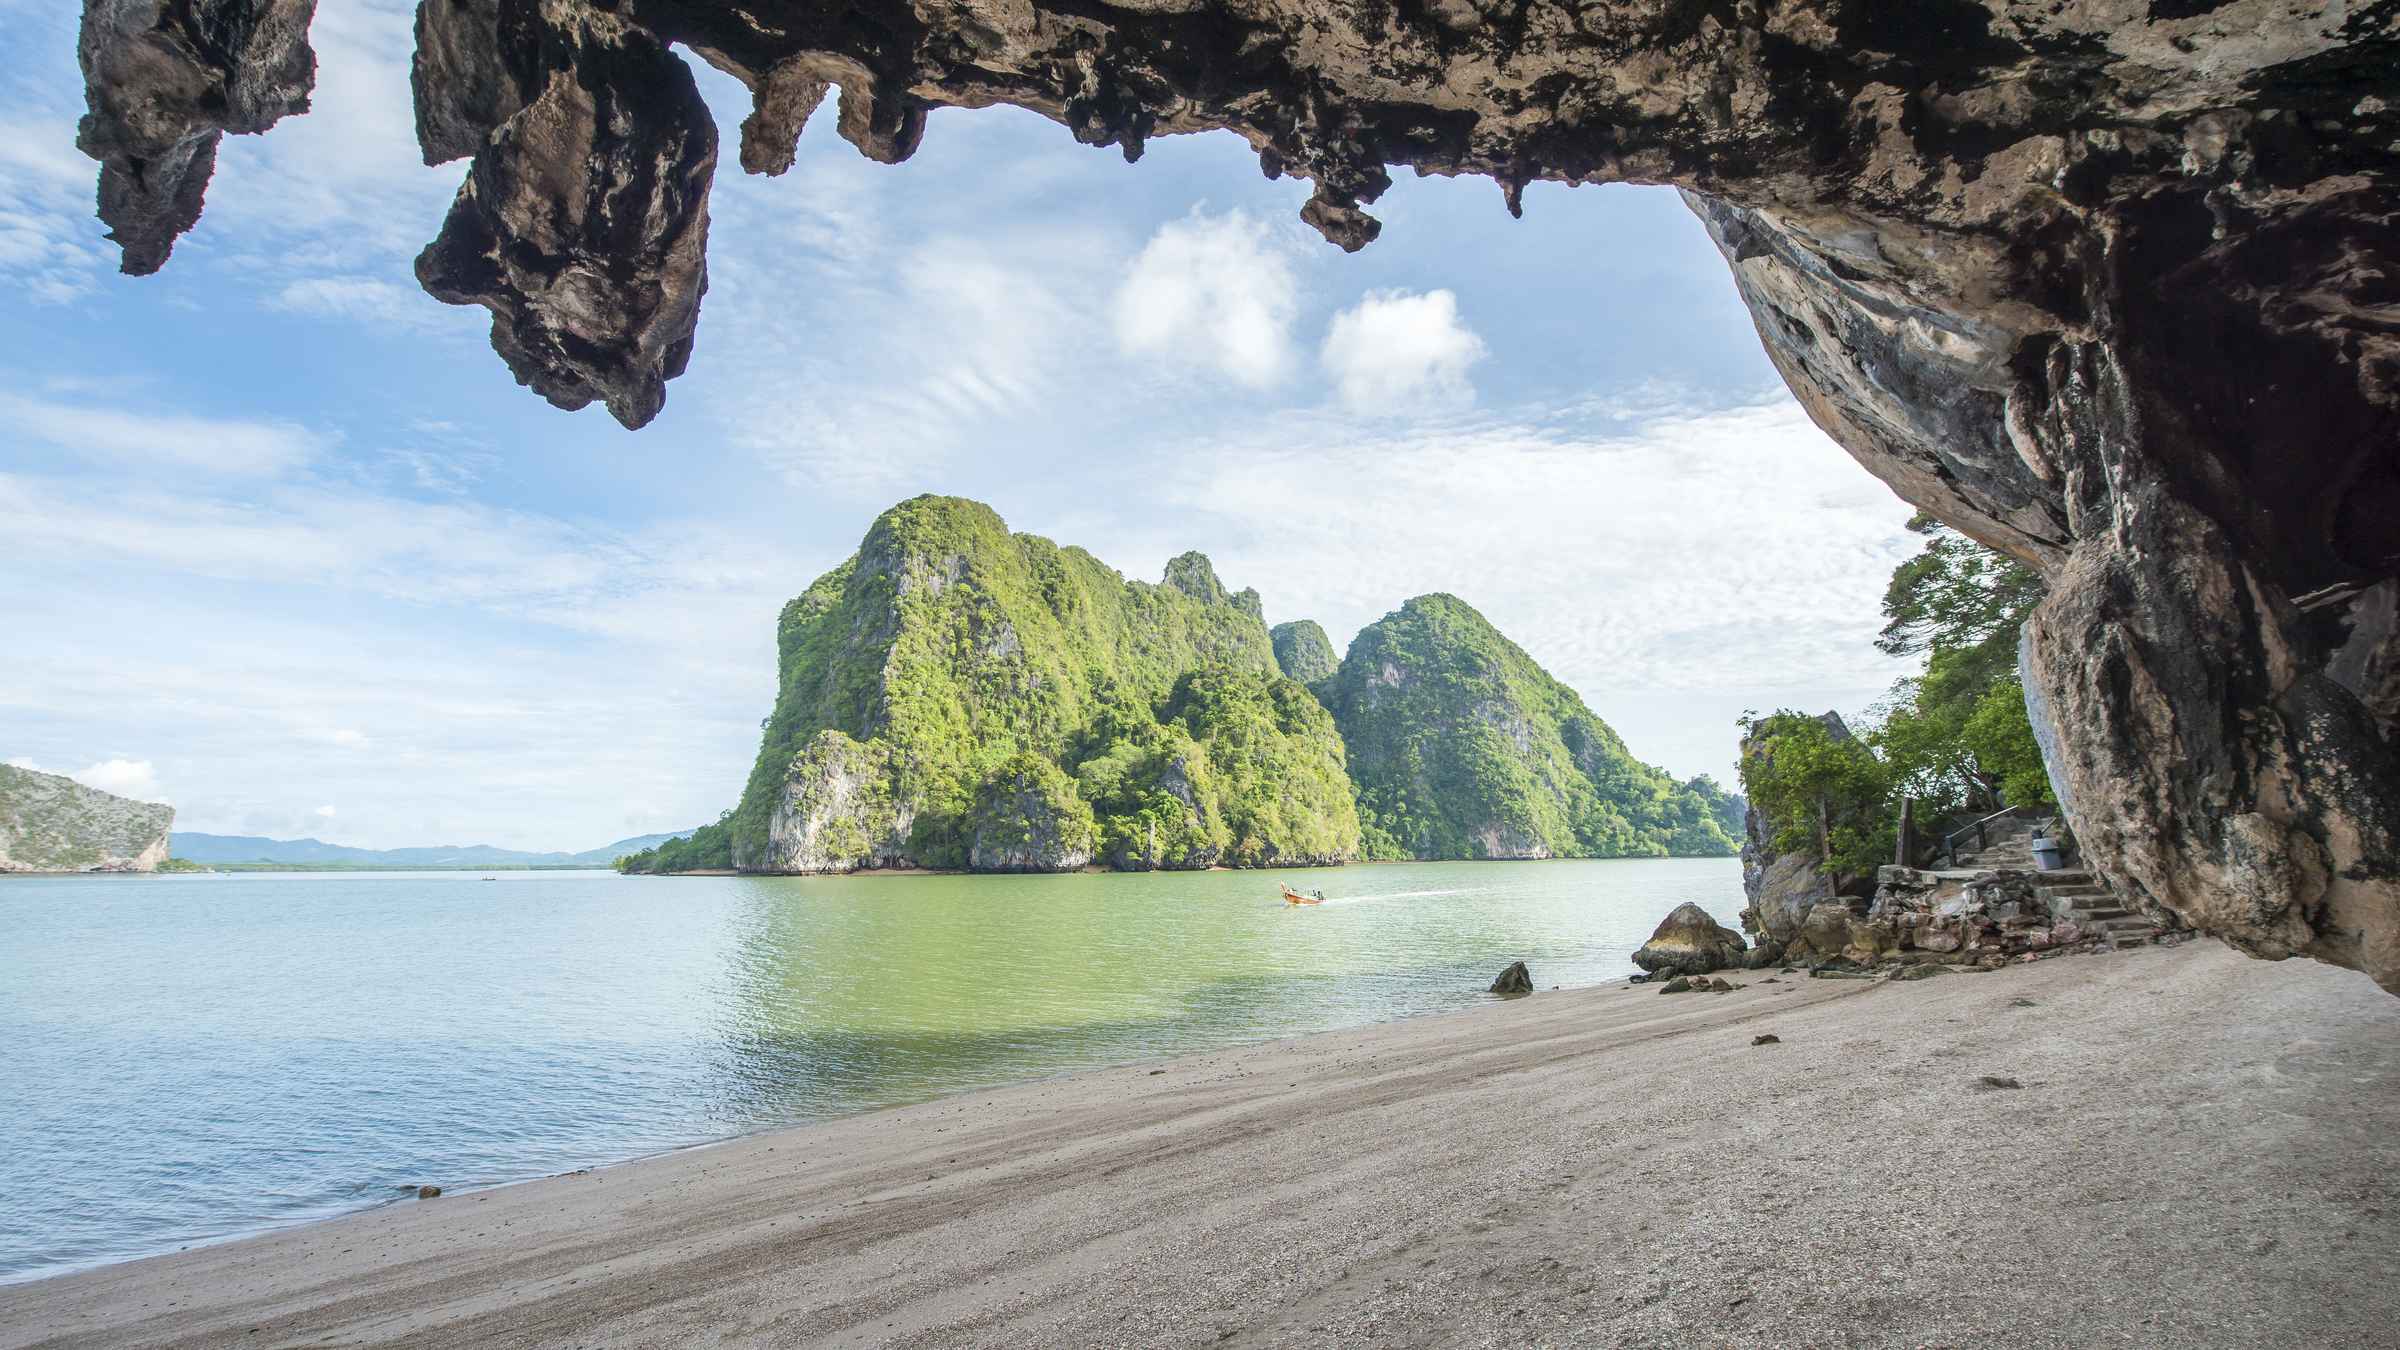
(959, 696)
(54, 824)
(1463, 747)
(1780, 888)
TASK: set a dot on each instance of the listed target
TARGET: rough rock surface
(1689, 942)
(1832, 931)
(1517, 979)
(838, 812)
(2105, 284)
(49, 823)
(1781, 888)
(164, 80)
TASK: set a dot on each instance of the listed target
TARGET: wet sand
(2202, 1151)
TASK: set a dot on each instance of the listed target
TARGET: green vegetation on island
(956, 696)
(1303, 652)
(1462, 747)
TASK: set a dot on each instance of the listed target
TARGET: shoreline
(1602, 1164)
(1094, 870)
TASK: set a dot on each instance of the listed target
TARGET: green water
(195, 1057)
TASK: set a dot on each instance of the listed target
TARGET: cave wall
(2110, 285)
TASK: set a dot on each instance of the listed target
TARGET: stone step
(2074, 893)
(2096, 913)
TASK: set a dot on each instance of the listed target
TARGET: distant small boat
(1292, 897)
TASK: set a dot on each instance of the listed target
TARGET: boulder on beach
(1689, 942)
(1514, 980)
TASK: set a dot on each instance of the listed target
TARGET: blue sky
(290, 549)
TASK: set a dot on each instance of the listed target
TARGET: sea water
(194, 1057)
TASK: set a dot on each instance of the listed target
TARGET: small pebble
(1994, 1081)
(1767, 1039)
(428, 1192)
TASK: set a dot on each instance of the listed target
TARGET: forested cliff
(958, 696)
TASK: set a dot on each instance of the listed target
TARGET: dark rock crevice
(2112, 286)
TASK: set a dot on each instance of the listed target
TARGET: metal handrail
(1977, 828)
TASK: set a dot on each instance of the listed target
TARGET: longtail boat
(1292, 897)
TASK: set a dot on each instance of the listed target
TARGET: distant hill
(54, 824)
(1463, 747)
(244, 848)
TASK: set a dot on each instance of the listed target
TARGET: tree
(2001, 735)
(1961, 605)
(1827, 795)
(1956, 595)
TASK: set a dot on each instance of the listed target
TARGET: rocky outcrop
(1781, 888)
(2104, 284)
(49, 823)
(164, 80)
(1517, 979)
(1832, 932)
(1028, 819)
(839, 811)
(1690, 942)
(1303, 652)
(583, 224)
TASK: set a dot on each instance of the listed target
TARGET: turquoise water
(188, 1058)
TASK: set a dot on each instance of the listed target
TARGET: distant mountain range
(244, 848)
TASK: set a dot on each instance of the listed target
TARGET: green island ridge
(956, 696)
(1462, 747)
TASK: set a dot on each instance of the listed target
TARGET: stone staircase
(2071, 894)
(2080, 897)
(2007, 846)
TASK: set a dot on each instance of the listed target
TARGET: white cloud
(1215, 293)
(49, 246)
(135, 778)
(369, 300)
(21, 762)
(1395, 351)
(975, 334)
(221, 445)
(326, 813)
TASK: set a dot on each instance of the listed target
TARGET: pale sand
(2202, 1153)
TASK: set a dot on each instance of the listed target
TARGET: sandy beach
(2201, 1152)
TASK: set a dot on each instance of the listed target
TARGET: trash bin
(2046, 855)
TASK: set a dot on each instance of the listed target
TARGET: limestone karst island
(1286, 673)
